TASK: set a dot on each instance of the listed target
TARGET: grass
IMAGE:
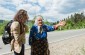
(83, 50)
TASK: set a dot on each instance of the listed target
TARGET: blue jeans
(22, 51)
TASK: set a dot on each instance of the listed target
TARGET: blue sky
(52, 10)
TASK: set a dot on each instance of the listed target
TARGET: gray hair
(36, 20)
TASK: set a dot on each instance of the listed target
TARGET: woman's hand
(62, 23)
(26, 28)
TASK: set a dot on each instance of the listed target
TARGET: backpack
(6, 37)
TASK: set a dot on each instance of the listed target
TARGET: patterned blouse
(34, 34)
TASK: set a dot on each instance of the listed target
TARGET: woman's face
(40, 22)
(24, 20)
(23, 16)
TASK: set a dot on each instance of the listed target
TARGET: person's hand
(62, 23)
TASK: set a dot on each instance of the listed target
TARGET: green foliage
(76, 21)
(2, 25)
(46, 22)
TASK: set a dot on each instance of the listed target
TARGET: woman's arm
(54, 27)
(61, 23)
(15, 30)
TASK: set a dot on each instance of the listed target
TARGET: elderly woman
(38, 36)
(18, 30)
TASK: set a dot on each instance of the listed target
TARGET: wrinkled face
(39, 20)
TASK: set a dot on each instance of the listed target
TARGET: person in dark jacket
(38, 36)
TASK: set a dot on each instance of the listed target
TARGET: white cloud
(42, 2)
(17, 2)
(57, 9)
(1, 1)
(53, 9)
(33, 1)
(6, 13)
(24, 6)
(82, 1)
(34, 9)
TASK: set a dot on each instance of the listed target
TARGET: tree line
(74, 21)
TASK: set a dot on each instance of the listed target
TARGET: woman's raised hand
(62, 23)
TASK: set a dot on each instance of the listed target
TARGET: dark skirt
(40, 47)
(22, 51)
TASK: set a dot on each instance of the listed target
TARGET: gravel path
(72, 46)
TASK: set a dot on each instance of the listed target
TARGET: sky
(51, 10)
